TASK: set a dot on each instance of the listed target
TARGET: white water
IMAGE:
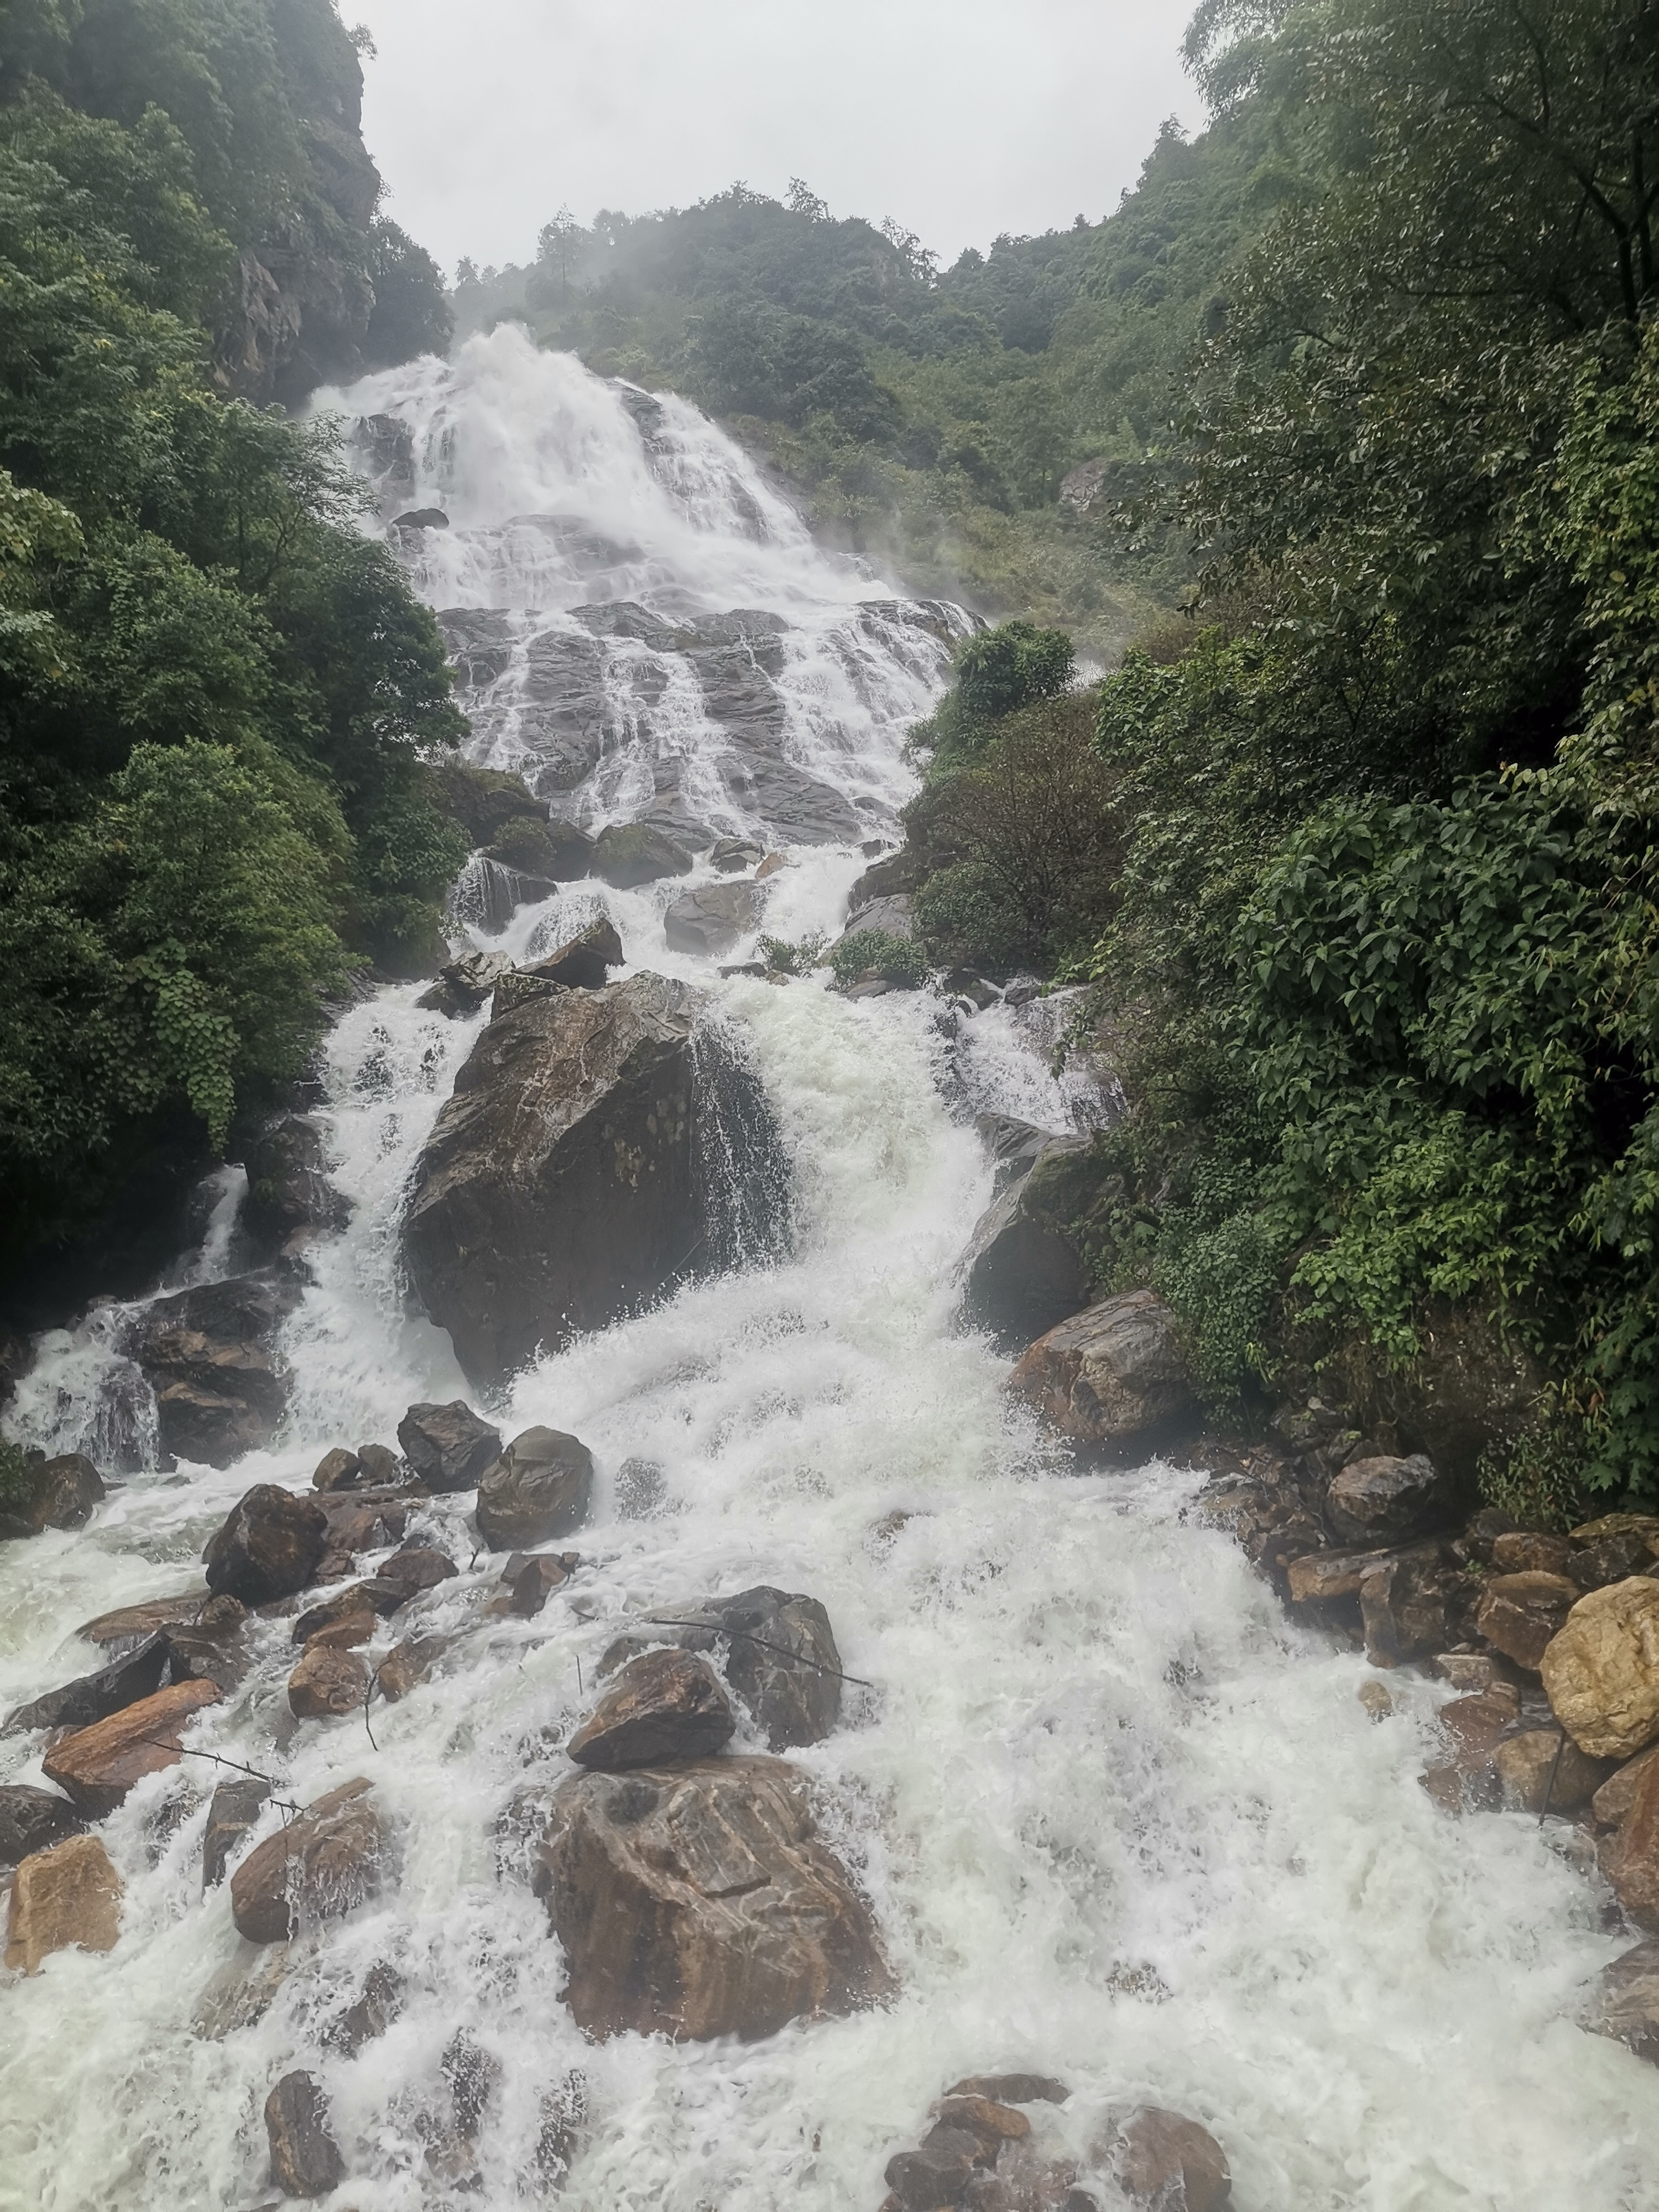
(1118, 1819)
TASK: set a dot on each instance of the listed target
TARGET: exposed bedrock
(1021, 1273)
(212, 1358)
(598, 1148)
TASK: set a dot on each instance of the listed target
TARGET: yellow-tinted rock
(68, 1895)
(1544, 1769)
(326, 1683)
(97, 1766)
(1602, 1671)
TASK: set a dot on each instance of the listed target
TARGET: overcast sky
(959, 120)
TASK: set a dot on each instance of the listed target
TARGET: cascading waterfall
(1120, 1822)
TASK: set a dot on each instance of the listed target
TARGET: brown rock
(326, 1683)
(1386, 1500)
(196, 1655)
(1473, 1724)
(1519, 1613)
(448, 1446)
(1408, 1603)
(372, 2014)
(1624, 2003)
(268, 1547)
(383, 1468)
(96, 1766)
(417, 1567)
(1165, 2160)
(983, 2116)
(210, 1355)
(927, 2179)
(663, 1705)
(408, 1664)
(579, 964)
(1113, 1375)
(68, 1895)
(305, 2158)
(696, 1901)
(1642, 1525)
(1543, 1768)
(58, 1493)
(354, 1607)
(1630, 1858)
(531, 1581)
(540, 1488)
(319, 1866)
(130, 1624)
(347, 1635)
(782, 1660)
(233, 1814)
(1011, 2088)
(1526, 1551)
(1317, 1577)
(339, 1469)
(1472, 1671)
(1610, 1560)
(1617, 1793)
(1377, 1699)
(1602, 1670)
(32, 1820)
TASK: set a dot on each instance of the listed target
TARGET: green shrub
(785, 958)
(899, 959)
(15, 1488)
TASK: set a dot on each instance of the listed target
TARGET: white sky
(959, 120)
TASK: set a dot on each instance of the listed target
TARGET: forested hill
(212, 687)
(972, 425)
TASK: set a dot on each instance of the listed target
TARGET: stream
(1120, 1820)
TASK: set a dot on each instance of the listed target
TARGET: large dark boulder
(211, 1359)
(290, 1199)
(268, 1547)
(51, 1493)
(710, 921)
(32, 1820)
(781, 1657)
(591, 1157)
(634, 852)
(663, 1705)
(1114, 1376)
(540, 1488)
(698, 1901)
(448, 1446)
(582, 964)
(92, 1697)
(1021, 1273)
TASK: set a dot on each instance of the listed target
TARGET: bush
(783, 958)
(998, 673)
(899, 959)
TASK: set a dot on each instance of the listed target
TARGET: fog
(959, 122)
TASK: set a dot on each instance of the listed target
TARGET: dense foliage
(214, 689)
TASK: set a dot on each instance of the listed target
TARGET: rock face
(540, 1488)
(709, 920)
(320, 1866)
(67, 1895)
(663, 1705)
(32, 1820)
(634, 852)
(1382, 1500)
(96, 1766)
(1602, 1670)
(581, 1167)
(290, 1199)
(696, 1901)
(305, 2158)
(448, 1446)
(95, 1696)
(582, 964)
(1520, 1614)
(1021, 1274)
(1630, 1859)
(268, 1547)
(61, 1493)
(209, 1354)
(1112, 1376)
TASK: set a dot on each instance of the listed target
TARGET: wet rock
(381, 1467)
(733, 856)
(326, 1683)
(95, 1696)
(1630, 1858)
(368, 2018)
(1471, 1671)
(320, 1866)
(782, 1662)
(1409, 1604)
(560, 1187)
(1543, 1768)
(628, 855)
(243, 1991)
(1617, 1793)
(407, 1665)
(197, 1654)
(211, 1357)
(927, 2179)
(994, 2124)
(305, 2158)
(291, 1200)
(1601, 1670)
(1322, 1577)
(448, 1446)
(1022, 1274)
(32, 1820)
(417, 1567)
(529, 1583)
(582, 964)
(1380, 1500)
(462, 984)
(1624, 2002)
(663, 1705)
(564, 2114)
(710, 919)
(357, 1602)
(1612, 1558)
(1013, 2088)
(268, 1547)
(58, 1493)
(698, 1901)
(1529, 1551)
(894, 916)
(96, 1766)
(1163, 2160)
(233, 1814)
(338, 1469)
(69, 1895)
(540, 1488)
(1520, 1614)
(130, 1624)
(1377, 1699)
(1114, 1376)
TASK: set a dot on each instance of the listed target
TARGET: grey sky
(960, 121)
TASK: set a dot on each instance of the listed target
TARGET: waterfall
(1119, 1821)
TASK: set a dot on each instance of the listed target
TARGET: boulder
(338, 1469)
(32, 1820)
(305, 2158)
(381, 1465)
(130, 1624)
(95, 1696)
(733, 856)
(582, 964)
(1610, 1558)
(56, 1493)
(634, 852)
(462, 984)
(327, 1683)
(709, 920)
(992, 2122)
(564, 1182)
(1113, 1377)
(384, 1994)
(210, 1358)
(1543, 1770)
(291, 1200)
(1624, 2002)
(268, 1547)
(68, 1895)
(448, 1446)
(540, 1488)
(1601, 1670)
(1529, 1552)
(233, 1813)
(781, 1661)
(96, 1766)
(1617, 1793)
(1409, 1603)
(1382, 1500)
(696, 1901)
(322, 1864)
(196, 1655)
(1630, 1858)
(663, 1705)
(529, 1581)
(1520, 1614)
(893, 916)
(417, 1567)
(1021, 1273)
(1322, 1577)
(1163, 2160)
(928, 2179)
(407, 1665)
(1013, 2088)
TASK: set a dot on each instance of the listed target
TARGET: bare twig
(184, 1750)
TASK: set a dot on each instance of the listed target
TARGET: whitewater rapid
(1120, 1822)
